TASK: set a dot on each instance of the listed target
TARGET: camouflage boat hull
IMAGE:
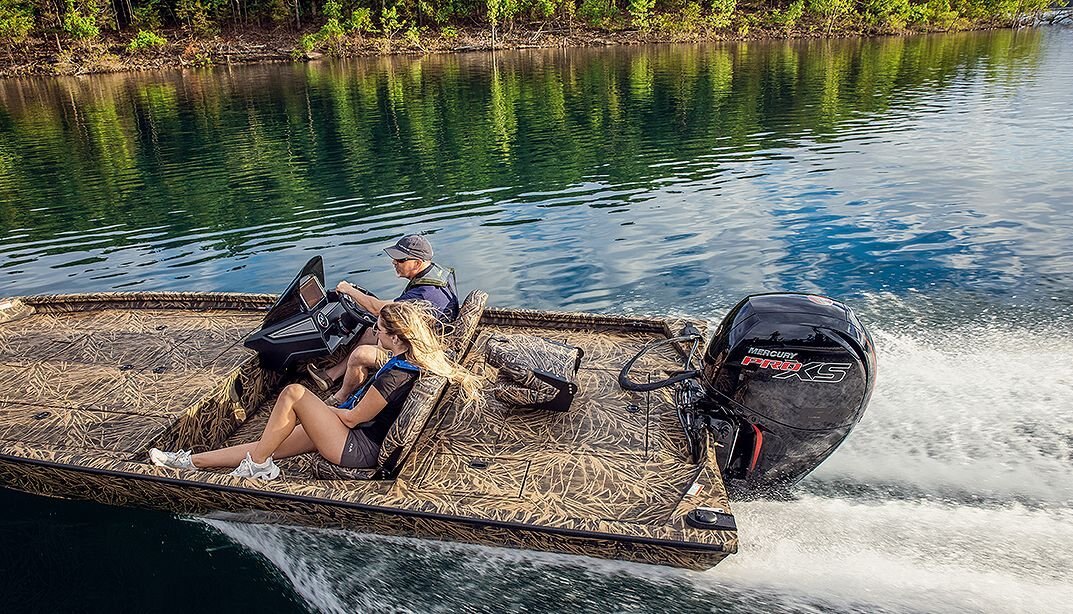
(89, 382)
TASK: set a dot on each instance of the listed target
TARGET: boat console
(307, 321)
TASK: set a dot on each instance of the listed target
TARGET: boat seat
(464, 328)
(418, 408)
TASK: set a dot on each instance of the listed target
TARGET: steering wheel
(355, 311)
(362, 290)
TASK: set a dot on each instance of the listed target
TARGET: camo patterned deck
(88, 382)
(115, 379)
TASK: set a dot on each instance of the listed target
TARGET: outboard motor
(795, 372)
(783, 381)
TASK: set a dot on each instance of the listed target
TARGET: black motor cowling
(794, 372)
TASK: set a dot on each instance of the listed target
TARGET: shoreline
(109, 54)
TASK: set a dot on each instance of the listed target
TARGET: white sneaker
(175, 460)
(248, 469)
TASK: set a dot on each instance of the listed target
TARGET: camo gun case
(534, 373)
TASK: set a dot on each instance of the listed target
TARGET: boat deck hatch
(112, 379)
(468, 475)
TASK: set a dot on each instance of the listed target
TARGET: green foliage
(443, 11)
(568, 9)
(390, 22)
(640, 12)
(277, 11)
(723, 12)
(830, 10)
(333, 21)
(201, 59)
(147, 14)
(935, 13)
(501, 10)
(688, 20)
(1029, 7)
(146, 39)
(16, 21)
(787, 19)
(332, 34)
(412, 36)
(332, 30)
(542, 9)
(598, 13)
(332, 10)
(692, 15)
(361, 21)
(307, 42)
(892, 14)
(81, 22)
(198, 14)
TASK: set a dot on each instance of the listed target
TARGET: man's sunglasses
(400, 260)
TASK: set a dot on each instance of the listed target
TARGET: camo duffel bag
(534, 373)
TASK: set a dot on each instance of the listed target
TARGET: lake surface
(924, 180)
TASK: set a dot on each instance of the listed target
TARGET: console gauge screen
(311, 292)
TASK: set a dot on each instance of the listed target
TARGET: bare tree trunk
(115, 15)
(59, 12)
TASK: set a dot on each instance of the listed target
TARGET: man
(428, 281)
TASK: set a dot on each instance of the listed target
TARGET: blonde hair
(417, 325)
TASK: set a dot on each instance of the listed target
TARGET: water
(924, 180)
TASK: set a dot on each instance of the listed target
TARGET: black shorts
(359, 451)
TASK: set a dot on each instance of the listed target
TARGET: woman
(349, 435)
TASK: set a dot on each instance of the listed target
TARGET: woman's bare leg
(297, 404)
(338, 370)
(360, 361)
(353, 378)
(297, 443)
(341, 369)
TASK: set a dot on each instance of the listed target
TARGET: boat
(667, 423)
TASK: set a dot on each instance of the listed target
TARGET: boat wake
(953, 494)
